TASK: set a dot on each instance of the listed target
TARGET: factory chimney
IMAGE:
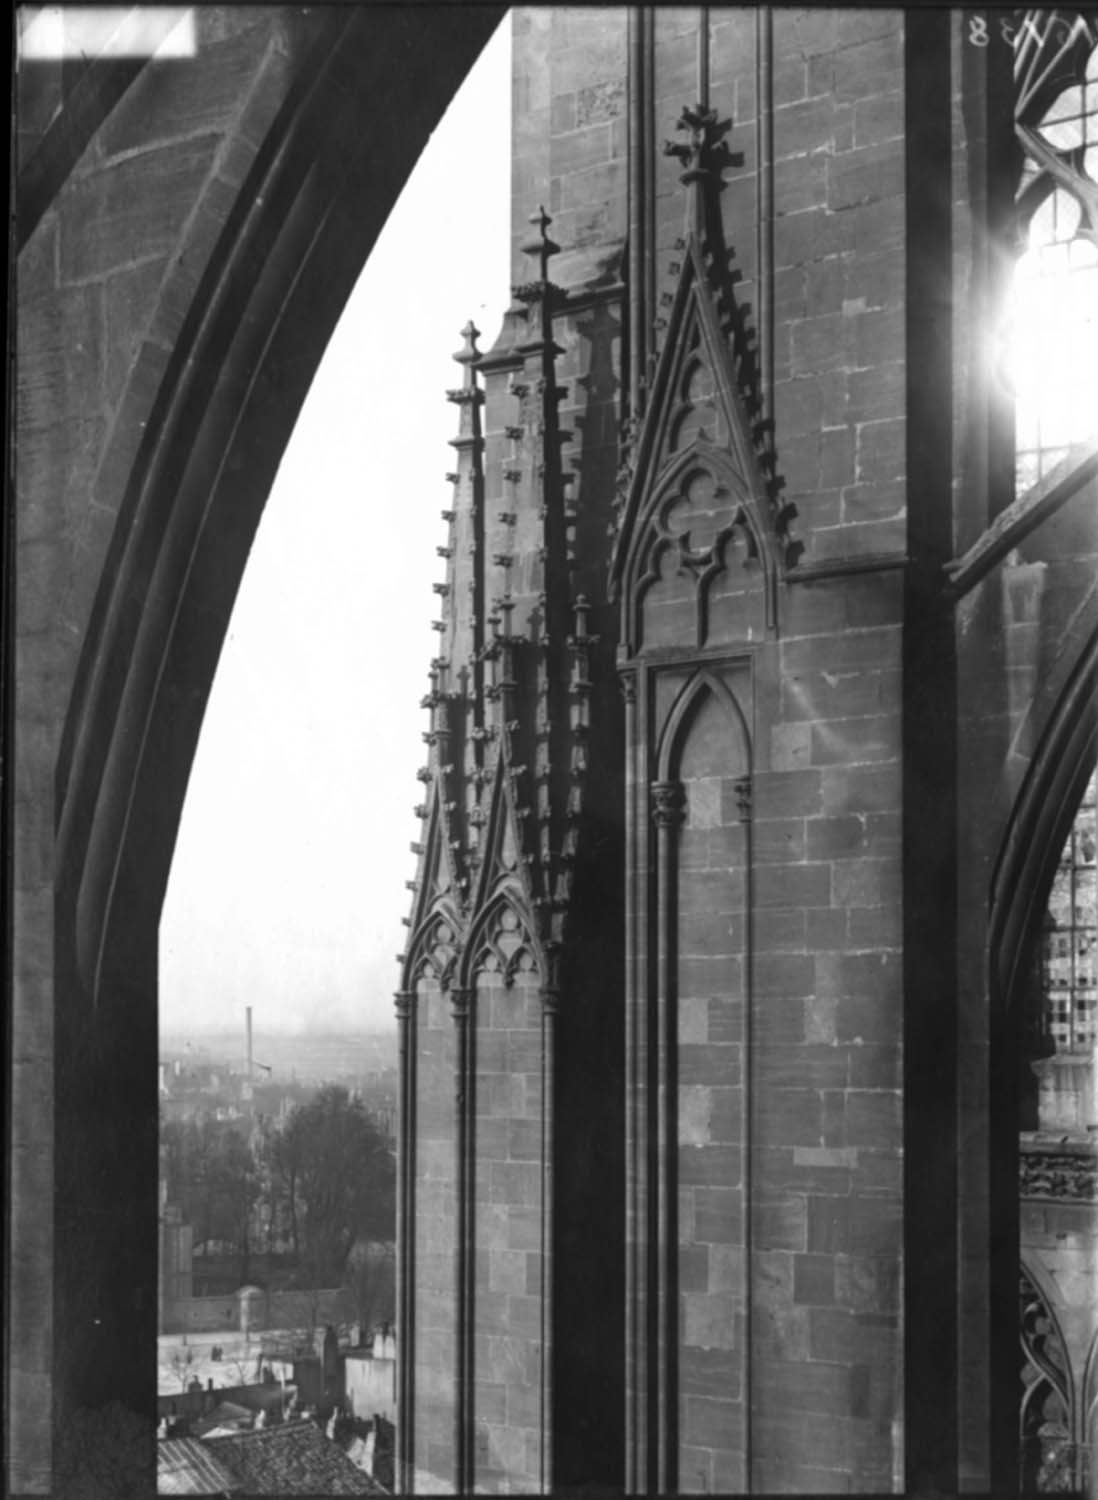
(248, 1046)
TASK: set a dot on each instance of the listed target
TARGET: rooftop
(294, 1458)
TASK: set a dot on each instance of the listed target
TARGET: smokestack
(248, 1031)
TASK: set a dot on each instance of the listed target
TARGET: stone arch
(1028, 854)
(434, 949)
(255, 281)
(1039, 821)
(686, 706)
(657, 551)
(484, 939)
(1047, 1373)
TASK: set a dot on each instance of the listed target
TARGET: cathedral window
(1053, 333)
(1070, 950)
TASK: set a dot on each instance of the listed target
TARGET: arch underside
(251, 288)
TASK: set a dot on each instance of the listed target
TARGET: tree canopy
(324, 1182)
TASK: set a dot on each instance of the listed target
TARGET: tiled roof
(184, 1466)
(294, 1458)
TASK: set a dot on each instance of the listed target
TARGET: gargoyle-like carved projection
(698, 491)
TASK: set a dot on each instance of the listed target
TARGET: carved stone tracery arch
(501, 941)
(434, 949)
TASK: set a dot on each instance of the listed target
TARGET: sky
(287, 886)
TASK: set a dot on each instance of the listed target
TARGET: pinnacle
(539, 244)
(468, 351)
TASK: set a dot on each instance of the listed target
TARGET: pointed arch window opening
(1052, 328)
(1069, 957)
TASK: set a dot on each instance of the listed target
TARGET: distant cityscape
(207, 1071)
(277, 1254)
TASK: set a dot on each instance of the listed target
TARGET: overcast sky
(287, 886)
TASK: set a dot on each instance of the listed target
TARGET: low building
(369, 1384)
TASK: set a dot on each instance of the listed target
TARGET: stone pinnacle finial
(468, 351)
(468, 354)
(703, 134)
(539, 244)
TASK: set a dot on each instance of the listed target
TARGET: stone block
(789, 1117)
(523, 1315)
(881, 1171)
(869, 68)
(801, 128)
(515, 1182)
(801, 180)
(864, 882)
(827, 1221)
(779, 1168)
(693, 1022)
(779, 1224)
(862, 740)
(804, 1386)
(490, 1400)
(825, 928)
(140, 201)
(874, 1118)
(784, 974)
(878, 118)
(708, 1421)
(812, 234)
(871, 1019)
(876, 1226)
(524, 1140)
(709, 1371)
(781, 1022)
(709, 1322)
(804, 1066)
(867, 1284)
(793, 885)
(871, 789)
(865, 175)
(523, 1406)
(579, 149)
(718, 1215)
(814, 1280)
(715, 1166)
(789, 793)
(724, 1021)
(881, 450)
(781, 930)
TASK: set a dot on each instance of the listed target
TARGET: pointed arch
(683, 710)
(434, 948)
(1021, 880)
(1038, 825)
(730, 517)
(1048, 1399)
(501, 931)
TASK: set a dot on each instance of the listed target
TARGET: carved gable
(499, 846)
(697, 510)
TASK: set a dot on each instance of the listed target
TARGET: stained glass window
(1070, 956)
(1053, 333)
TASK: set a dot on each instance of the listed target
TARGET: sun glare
(1052, 323)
